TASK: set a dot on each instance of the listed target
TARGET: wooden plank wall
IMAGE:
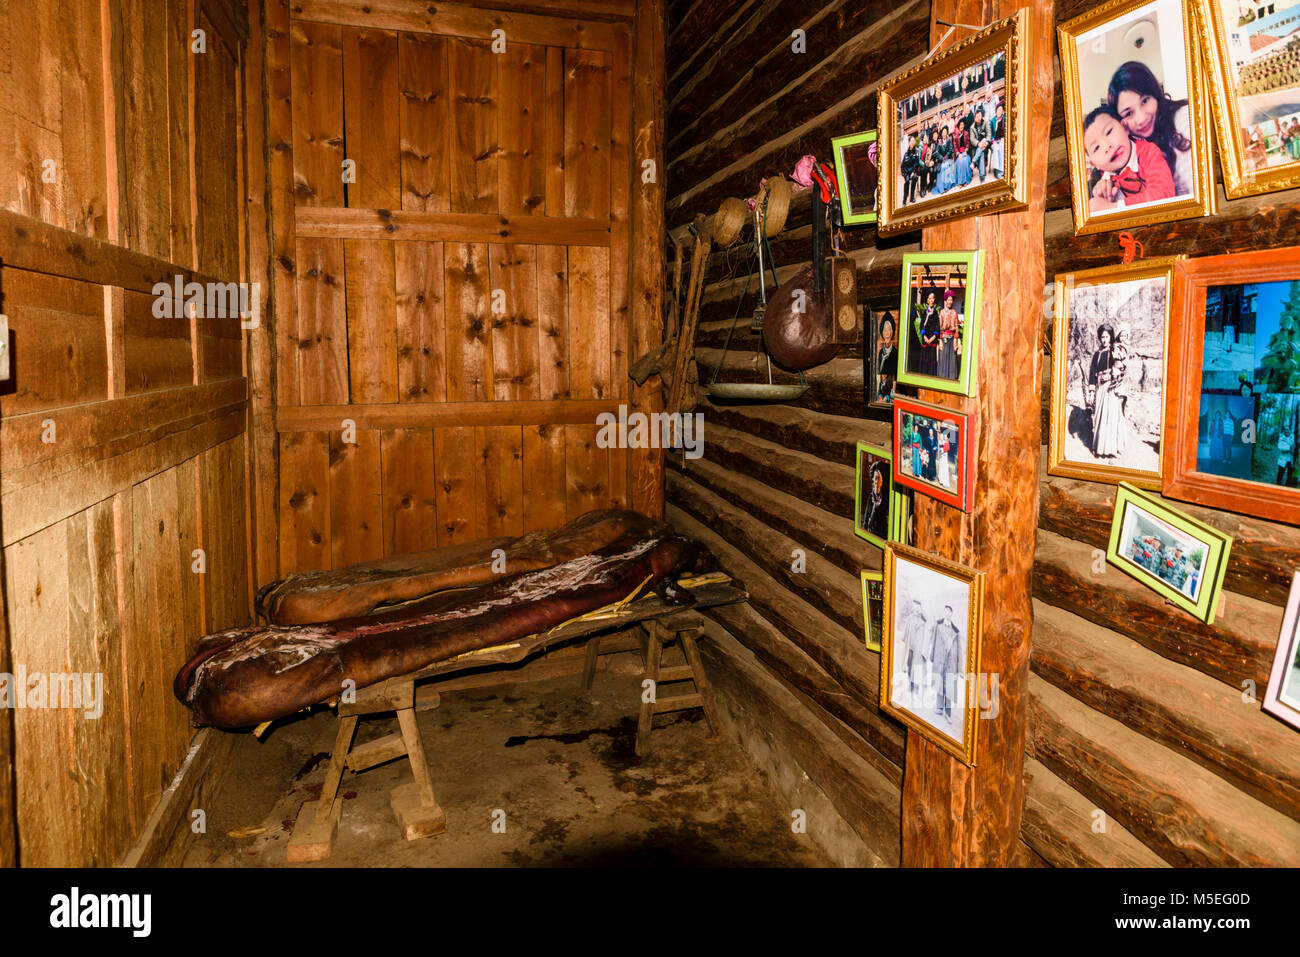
(450, 321)
(1139, 708)
(775, 478)
(122, 433)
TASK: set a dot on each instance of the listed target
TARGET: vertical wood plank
(554, 144)
(455, 465)
(521, 166)
(587, 131)
(421, 322)
(147, 203)
(189, 616)
(469, 330)
(280, 172)
(423, 118)
(553, 322)
(316, 58)
(589, 322)
(180, 116)
(545, 490)
(500, 478)
(515, 333)
(304, 502)
(410, 491)
(84, 174)
(322, 344)
(356, 499)
(587, 471)
(371, 320)
(370, 105)
(473, 72)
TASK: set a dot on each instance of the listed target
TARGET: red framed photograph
(931, 451)
(1232, 405)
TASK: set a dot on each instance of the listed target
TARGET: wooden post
(8, 793)
(953, 815)
(647, 273)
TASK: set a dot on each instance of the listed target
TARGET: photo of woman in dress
(949, 360)
(924, 359)
(940, 297)
(1105, 384)
(886, 349)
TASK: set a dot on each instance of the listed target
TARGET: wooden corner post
(954, 815)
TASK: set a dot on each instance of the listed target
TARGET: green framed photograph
(1176, 556)
(940, 311)
(875, 501)
(873, 608)
(857, 171)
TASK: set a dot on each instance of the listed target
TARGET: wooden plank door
(451, 216)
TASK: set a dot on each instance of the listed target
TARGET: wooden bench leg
(701, 680)
(417, 810)
(318, 821)
(654, 649)
(589, 666)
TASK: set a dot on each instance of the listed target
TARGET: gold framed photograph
(953, 131)
(1110, 341)
(1137, 116)
(1254, 66)
(930, 648)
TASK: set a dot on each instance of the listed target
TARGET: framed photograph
(1250, 49)
(930, 653)
(881, 354)
(1170, 552)
(905, 532)
(855, 168)
(1282, 700)
(873, 608)
(1108, 373)
(1232, 407)
(875, 502)
(941, 305)
(1137, 115)
(931, 451)
(953, 131)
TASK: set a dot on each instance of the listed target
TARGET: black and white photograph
(1108, 386)
(933, 618)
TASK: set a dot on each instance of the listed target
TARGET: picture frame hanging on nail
(932, 451)
(930, 648)
(1178, 557)
(1137, 115)
(938, 343)
(857, 171)
(978, 90)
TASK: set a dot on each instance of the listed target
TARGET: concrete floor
(559, 764)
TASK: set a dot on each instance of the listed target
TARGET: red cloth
(1151, 181)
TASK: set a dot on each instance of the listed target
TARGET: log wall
(776, 481)
(1135, 709)
(122, 434)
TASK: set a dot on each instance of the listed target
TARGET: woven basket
(776, 192)
(729, 220)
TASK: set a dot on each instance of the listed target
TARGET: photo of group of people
(1249, 424)
(931, 451)
(1134, 136)
(930, 617)
(937, 321)
(1264, 55)
(1163, 551)
(1114, 372)
(952, 134)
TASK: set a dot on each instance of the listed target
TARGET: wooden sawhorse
(417, 811)
(660, 633)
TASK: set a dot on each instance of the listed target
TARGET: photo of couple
(937, 321)
(952, 134)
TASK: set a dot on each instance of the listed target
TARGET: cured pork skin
(309, 597)
(246, 676)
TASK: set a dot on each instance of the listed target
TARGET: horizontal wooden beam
(328, 222)
(579, 9)
(1186, 814)
(461, 20)
(833, 438)
(435, 415)
(27, 243)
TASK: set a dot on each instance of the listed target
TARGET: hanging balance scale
(768, 391)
